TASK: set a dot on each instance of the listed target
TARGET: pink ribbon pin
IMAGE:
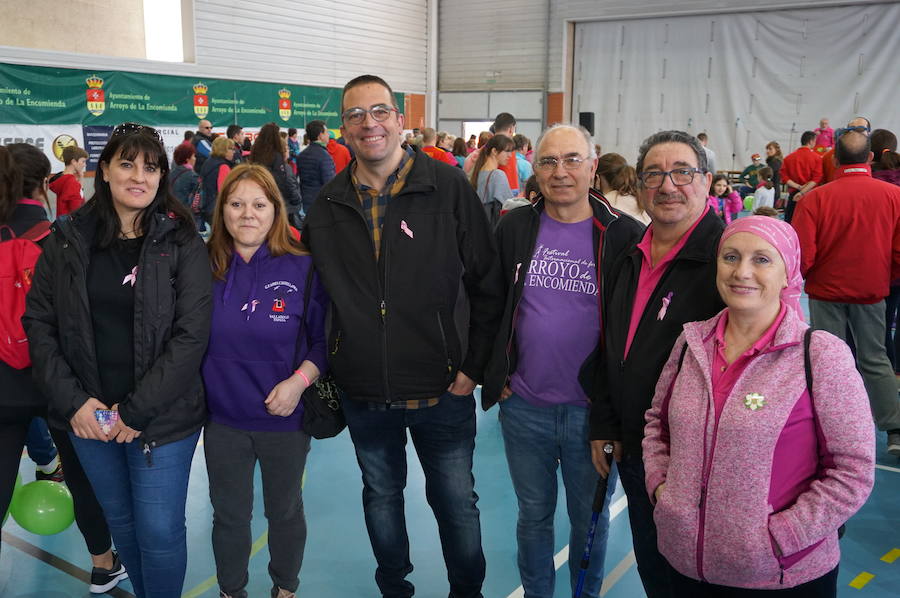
(405, 228)
(665, 306)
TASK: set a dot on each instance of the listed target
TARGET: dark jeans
(144, 503)
(892, 340)
(38, 443)
(790, 206)
(231, 456)
(686, 587)
(88, 513)
(444, 439)
(651, 565)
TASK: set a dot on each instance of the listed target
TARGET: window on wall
(163, 30)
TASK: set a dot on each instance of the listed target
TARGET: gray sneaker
(893, 442)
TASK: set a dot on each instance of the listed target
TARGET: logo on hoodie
(278, 314)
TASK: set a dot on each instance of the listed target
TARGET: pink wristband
(304, 376)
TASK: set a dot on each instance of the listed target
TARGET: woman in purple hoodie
(752, 465)
(256, 367)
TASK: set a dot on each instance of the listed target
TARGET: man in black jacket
(315, 165)
(395, 237)
(555, 256)
(667, 279)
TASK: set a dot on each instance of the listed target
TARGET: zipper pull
(383, 310)
(148, 455)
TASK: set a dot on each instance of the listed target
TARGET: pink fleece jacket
(732, 204)
(714, 518)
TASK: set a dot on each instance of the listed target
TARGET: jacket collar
(603, 213)
(703, 243)
(421, 178)
(853, 170)
(84, 223)
(790, 331)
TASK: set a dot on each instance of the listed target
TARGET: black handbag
(322, 413)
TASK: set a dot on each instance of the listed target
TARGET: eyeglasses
(357, 116)
(680, 177)
(550, 163)
(859, 129)
(129, 128)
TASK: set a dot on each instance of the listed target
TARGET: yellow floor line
(891, 556)
(860, 581)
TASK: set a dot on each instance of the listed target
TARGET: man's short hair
(672, 137)
(72, 153)
(584, 133)
(314, 128)
(521, 142)
(807, 137)
(702, 137)
(188, 135)
(365, 80)
(504, 121)
(233, 130)
(429, 136)
(852, 148)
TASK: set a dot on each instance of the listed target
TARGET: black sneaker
(54, 476)
(103, 580)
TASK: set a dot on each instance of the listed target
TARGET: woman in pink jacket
(752, 466)
(723, 200)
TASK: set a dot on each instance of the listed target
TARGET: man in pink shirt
(666, 279)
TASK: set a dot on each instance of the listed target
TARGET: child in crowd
(724, 200)
(67, 184)
(764, 196)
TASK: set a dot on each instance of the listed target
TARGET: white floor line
(614, 576)
(888, 468)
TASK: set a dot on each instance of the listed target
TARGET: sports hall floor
(339, 562)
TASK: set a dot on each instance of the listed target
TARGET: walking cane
(599, 497)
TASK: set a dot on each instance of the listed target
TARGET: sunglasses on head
(131, 128)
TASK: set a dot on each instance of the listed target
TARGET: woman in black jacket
(118, 320)
(268, 151)
(23, 197)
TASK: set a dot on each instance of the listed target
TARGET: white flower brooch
(754, 401)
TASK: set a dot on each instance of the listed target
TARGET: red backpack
(18, 256)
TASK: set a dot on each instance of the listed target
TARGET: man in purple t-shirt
(552, 254)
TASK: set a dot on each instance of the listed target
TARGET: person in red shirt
(338, 153)
(429, 138)
(67, 184)
(849, 234)
(801, 171)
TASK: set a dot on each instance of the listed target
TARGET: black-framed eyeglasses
(357, 116)
(550, 163)
(654, 179)
(129, 128)
(859, 129)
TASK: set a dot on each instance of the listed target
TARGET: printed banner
(49, 139)
(52, 96)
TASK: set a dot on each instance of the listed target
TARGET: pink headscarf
(782, 237)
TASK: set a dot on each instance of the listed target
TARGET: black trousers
(89, 518)
(686, 587)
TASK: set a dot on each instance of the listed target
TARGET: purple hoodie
(253, 342)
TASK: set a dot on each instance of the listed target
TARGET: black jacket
(287, 183)
(516, 235)
(172, 307)
(393, 333)
(622, 389)
(195, 141)
(316, 167)
(209, 177)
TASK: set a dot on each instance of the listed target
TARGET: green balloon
(748, 203)
(15, 490)
(43, 507)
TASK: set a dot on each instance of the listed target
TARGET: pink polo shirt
(651, 275)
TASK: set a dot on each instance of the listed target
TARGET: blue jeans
(444, 439)
(40, 446)
(538, 440)
(144, 507)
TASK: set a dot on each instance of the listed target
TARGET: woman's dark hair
(127, 142)
(10, 185)
(531, 186)
(33, 166)
(716, 179)
(500, 143)
(617, 173)
(266, 146)
(884, 146)
(459, 147)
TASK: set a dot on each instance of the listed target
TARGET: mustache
(669, 197)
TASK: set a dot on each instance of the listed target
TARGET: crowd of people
(610, 308)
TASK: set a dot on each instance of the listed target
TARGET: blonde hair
(220, 145)
(280, 237)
